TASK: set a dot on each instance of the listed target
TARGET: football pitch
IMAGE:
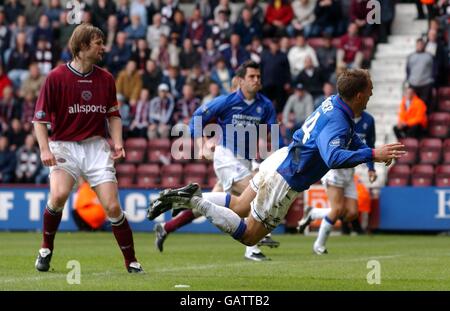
(215, 262)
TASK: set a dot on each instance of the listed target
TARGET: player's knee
(340, 209)
(112, 209)
(351, 215)
(58, 197)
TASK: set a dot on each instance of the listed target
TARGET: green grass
(215, 262)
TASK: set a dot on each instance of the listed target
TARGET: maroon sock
(50, 226)
(182, 219)
(124, 237)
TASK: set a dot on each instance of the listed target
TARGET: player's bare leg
(61, 184)
(108, 195)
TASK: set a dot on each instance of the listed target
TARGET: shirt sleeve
(330, 143)
(44, 108)
(112, 105)
(204, 114)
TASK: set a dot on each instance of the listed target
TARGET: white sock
(320, 213)
(252, 249)
(324, 232)
(218, 198)
(221, 217)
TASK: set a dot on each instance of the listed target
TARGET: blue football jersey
(327, 140)
(365, 129)
(238, 120)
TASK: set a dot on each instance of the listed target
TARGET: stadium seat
(148, 176)
(162, 144)
(134, 156)
(444, 105)
(446, 152)
(158, 156)
(399, 175)
(125, 181)
(171, 176)
(195, 172)
(125, 169)
(422, 175)
(411, 147)
(439, 123)
(135, 143)
(183, 151)
(442, 175)
(212, 180)
(430, 150)
(444, 93)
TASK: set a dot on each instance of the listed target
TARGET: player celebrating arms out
(327, 140)
(76, 100)
(341, 190)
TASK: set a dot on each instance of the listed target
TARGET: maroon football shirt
(75, 104)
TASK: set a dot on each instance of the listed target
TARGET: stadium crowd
(167, 62)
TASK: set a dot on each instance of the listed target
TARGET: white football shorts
(90, 158)
(342, 178)
(228, 168)
(274, 196)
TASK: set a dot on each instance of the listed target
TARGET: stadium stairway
(388, 71)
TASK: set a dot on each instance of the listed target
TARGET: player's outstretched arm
(47, 157)
(389, 152)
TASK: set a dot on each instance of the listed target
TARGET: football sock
(319, 213)
(324, 231)
(124, 237)
(52, 219)
(252, 249)
(218, 198)
(183, 218)
(223, 218)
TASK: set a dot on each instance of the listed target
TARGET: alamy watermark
(75, 14)
(374, 15)
(374, 275)
(74, 275)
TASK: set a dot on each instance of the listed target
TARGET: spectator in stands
(160, 113)
(4, 80)
(387, 16)
(7, 161)
(166, 54)
(43, 30)
(328, 90)
(123, 14)
(139, 123)
(431, 11)
(235, 54)
(9, 107)
(359, 11)
(247, 27)
(179, 26)
(298, 107)
(255, 9)
(220, 30)
(112, 27)
(440, 56)
(196, 28)
(64, 31)
(135, 30)
(34, 10)
(119, 55)
(186, 105)
(312, 78)
(13, 8)
(42, 176)
(350, 53)
(279, 15)
(33, 82)
(101, 10)
(326, 54)
(5, 35)
(16, 134)
(189, 57)
(222, 76)
(151, 77)
(303, 17)
(256, 48)
(155, 30)
(419, 73)
(298, 53)
(209, 55)
(175, 81)
(21, 26)
(129, 83)
(412, 117)
(199, 81)
(275, 75)
(328, 15)
(214, 91)
(206, 8)
(168, 10)
(19, 60)
(139, 7)
(222, 7)
(43, 56)
(28, 103)
(141, 53)
(28, 161)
